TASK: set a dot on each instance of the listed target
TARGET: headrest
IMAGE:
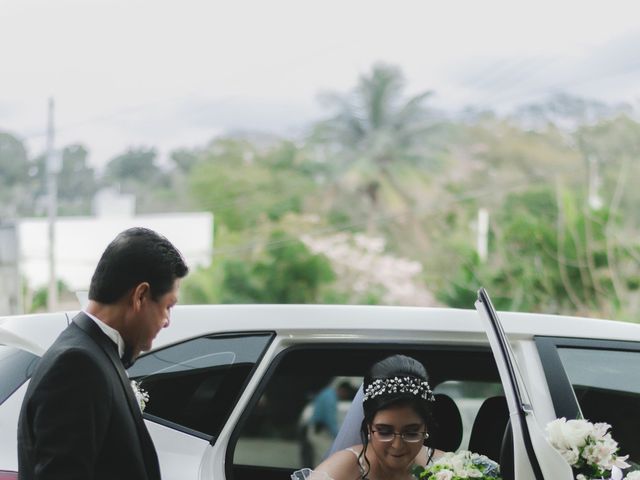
(488, 427)
(446, 434)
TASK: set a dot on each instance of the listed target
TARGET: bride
(397, 415)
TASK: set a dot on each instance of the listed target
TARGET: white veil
(349, 433)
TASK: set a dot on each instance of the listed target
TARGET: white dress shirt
(110, 332)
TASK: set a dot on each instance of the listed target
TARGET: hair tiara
(410, 385)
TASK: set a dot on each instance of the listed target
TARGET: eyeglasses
(410, 437)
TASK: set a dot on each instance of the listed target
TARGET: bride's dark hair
(399, 366)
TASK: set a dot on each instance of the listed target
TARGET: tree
(14, 176)
(244, 186)
(76, 182)
(14, 164)
(135, 165)
(375, 131)
(551, 253)
(287, 273)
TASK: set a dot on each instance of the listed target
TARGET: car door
(607, 391)
(193, 386)
(526, 453)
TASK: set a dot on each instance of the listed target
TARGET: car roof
(189, 321)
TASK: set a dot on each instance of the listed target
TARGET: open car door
(526, 454)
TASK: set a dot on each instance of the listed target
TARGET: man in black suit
(80, 419)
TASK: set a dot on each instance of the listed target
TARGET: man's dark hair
(136, 255)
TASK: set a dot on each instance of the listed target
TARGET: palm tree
(373, 130)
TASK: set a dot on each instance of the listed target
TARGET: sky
(174, 74)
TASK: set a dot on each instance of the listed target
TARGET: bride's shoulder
(428, 455)
(437, 454)
(342, 465)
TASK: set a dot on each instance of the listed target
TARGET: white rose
(444, 475)
(571, 455)
(555, 433)
(633, 475)
(576, 432)
(581, 477)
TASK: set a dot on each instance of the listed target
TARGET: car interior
(469, 405)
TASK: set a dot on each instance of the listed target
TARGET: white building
(79, 241)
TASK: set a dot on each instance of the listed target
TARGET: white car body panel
(184, 456)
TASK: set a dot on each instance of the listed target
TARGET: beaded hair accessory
(411, 385)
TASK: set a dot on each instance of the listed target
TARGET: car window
(194, 385)
(16, 367)
(303, 399)
(607, 387)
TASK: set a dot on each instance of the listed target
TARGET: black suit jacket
(79, 418)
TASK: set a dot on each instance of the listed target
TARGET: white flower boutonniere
(142, 396)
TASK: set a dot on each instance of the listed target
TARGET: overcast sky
(175, 73)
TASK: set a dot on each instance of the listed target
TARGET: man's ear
(140, 292)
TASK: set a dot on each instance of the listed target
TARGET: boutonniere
(142, 396)
(589, 449)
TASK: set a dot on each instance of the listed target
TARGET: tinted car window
(196, 384)
(16, 367)
(607, 386)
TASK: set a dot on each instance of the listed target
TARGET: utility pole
(483, 234)
(52, 169)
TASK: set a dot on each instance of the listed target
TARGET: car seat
(489, 427)
(446, 432)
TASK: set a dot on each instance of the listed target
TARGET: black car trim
(196, 433)
(176, 426)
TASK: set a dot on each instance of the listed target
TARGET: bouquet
(460, 466)
(589, 449)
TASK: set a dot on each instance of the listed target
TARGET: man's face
(151, 317)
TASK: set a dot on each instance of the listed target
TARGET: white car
(228, 384)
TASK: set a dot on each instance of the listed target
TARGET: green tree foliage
(244, 186)
(287, 273)
(136, 164)
(551, 253)
(76, 182)
(374, 133)
(14, 176)
(137, 171)
(14, 164)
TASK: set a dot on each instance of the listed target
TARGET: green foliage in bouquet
(459, 466)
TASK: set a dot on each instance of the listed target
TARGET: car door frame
(533, 457)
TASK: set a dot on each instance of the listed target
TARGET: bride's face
(396, 454)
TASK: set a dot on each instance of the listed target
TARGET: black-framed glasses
(410, 437)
